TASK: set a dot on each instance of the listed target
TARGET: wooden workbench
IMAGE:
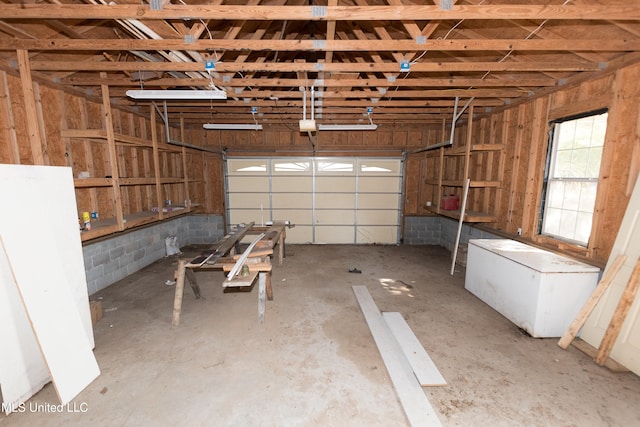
(225, 257)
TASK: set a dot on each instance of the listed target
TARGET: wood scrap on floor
(423, 367)
(416, 406)
(588, 307)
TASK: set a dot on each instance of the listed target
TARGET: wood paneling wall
(58, 111)
(523, 129)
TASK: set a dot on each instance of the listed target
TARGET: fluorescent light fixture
(177, 94)
(231, 126)
(347, 127)
(370, 126)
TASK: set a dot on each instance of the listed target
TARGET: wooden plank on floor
(414, 402)
(423, 367)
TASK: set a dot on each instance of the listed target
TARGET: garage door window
(571, 183)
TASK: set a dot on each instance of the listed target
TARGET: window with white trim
(571, 178)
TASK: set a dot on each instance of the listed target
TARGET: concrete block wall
(441, 231)
(450, 229)
(110, 260)
(422, 230)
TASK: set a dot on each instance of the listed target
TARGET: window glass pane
(573, 178)
(566, 134)
(291, 166)
(552, 221)
(243, 166)
(335, 166)
(587, 197)
(593, 166)
(379, 166)
(556, 194)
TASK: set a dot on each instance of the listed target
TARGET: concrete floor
(314, 362)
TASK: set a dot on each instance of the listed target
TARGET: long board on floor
(423, 367)
(412, 397)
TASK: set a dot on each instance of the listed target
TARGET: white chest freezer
(538, 290)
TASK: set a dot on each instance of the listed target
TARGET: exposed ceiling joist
(321, 13)
(596, 45)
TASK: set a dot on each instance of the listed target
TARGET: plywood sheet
(42, 245)
(21, 376)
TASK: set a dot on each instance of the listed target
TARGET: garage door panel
(300, 234)
(335, 200)
(377, 201)
(332, 184)
(375, 184)
(296, 216)
(338, 217)
(292, 200)
(335, 234)
(377, 217)
(288, 184)
(248, 200)
(248, 184)
(377, 234)
(239, 216)
(329, 199)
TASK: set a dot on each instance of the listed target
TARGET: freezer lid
(534, 258)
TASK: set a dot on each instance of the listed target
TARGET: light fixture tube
(347, 127)
(177, 94)
(231, 126)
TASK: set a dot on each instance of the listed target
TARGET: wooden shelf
(150, 181)
(463, 168)
(472, 184)
(120, 139)
(92, 182)
(469, 216)
(107, 226)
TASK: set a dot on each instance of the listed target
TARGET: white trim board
(423, 367)
(413, 399)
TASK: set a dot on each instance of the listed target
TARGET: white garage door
(330, 200)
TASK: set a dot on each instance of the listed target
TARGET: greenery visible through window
(571, 179)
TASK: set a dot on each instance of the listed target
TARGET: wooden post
(460, 223)
(156, 163)
(185, 166)
(177, 301)
(31, 112)
(113, 154)
(619, 316)
(591, 303)
(262, 289)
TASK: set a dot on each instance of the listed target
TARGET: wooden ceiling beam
(316, 67)
(423, 103)
(328, 82)
(468, 45)
(322, 13)
(369, 94)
